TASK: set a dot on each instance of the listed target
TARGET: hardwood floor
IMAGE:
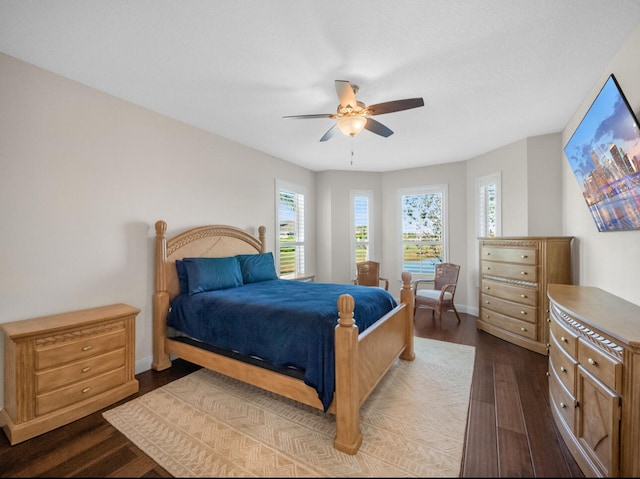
(510, 431)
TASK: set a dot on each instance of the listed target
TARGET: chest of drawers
(62, 367)
(594, 378)
(514, 274)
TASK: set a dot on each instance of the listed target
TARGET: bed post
(262, 237)
(161, 359)
(407, 297)
(348, 435)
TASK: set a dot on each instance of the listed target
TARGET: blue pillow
(182, 276)
(210, 274)
(257, 267)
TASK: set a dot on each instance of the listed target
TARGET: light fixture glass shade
(352, 125)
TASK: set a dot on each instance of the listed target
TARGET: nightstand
(62, 367)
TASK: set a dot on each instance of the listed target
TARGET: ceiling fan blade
(397, 105)
(304, 117)
(330, 132)
(377, 128)
(345, 93)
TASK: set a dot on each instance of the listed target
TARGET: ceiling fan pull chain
(352, 139)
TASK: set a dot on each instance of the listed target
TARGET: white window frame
(299, 225)
(481, 212)
(443, 189)
(353, 194)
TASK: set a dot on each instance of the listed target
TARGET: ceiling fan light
(352, 125)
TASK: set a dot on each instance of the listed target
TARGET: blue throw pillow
(182, 276)
(210, 274)
(257, 267)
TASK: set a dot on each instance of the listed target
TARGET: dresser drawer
(512, 292)
(54, 378)
(507, 323)
(526, 255)
(74, 393)
(564, 365)
(81, 348)
(601, 366)
(520, 311)
(562, 400)
(565, 338)
(521, 272)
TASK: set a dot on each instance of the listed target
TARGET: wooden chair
(368, 274)
(440, 298)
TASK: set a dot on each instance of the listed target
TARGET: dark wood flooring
(510, 432)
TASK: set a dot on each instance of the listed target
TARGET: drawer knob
(523, 329)
(563, 405)
(487, 301)
(524, 256)
(487, 316)
(563, 339)
(86, 369)
(563, 369)
(487, 287)
(523, 295)
(87, 348)
(487, 268)
(86, 390)
(523, 272)
(591, 361)
(523, 312)
(547, 373)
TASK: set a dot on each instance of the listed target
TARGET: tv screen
(604, 154)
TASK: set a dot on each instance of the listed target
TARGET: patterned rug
(207, 425)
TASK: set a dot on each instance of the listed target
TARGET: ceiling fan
(354, 116)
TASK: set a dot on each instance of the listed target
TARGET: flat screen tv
(604, 154)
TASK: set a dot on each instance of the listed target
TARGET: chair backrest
(446, 273)
(368, 273)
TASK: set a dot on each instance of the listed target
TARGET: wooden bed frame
(361, 359)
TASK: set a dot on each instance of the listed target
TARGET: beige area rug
(207, 425)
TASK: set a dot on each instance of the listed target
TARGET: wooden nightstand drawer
(521, 272)
(87, 345)
(79, 370)
(512, 292)
(510, 255)
(602, 367)
(75, 393)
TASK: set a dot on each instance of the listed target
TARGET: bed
(355, 363)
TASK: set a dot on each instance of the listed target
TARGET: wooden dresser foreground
(594, 378)
(514, 274)
(63, 367)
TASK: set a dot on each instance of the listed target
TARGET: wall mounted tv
(604, 154)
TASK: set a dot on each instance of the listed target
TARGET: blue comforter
(286, 323)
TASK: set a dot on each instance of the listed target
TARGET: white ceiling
(491, 72)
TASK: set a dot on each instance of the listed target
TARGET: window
(488, 206)
(361, 226)
(290, 256)
(424, 231)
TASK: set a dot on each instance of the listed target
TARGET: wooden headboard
(214, 241)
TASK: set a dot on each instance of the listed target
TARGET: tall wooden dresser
(62, 367)
(514, 274)
(594, 378)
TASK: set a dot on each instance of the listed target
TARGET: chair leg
(456, 311)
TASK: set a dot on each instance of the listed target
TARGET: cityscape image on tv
(604, 154)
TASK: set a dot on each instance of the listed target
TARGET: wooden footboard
(361, 359)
